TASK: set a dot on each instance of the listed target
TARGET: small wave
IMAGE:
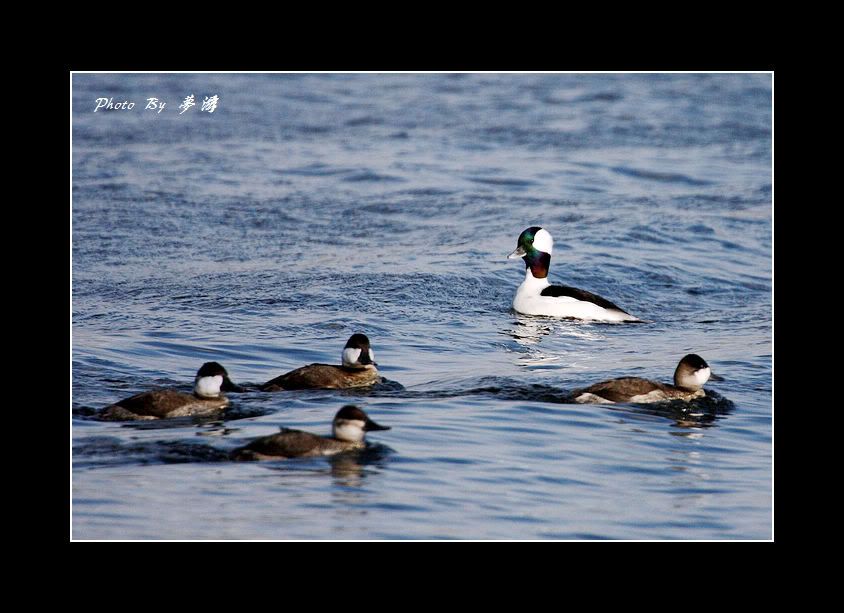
(313, 170)
(364, 121)
(370, 176)
(111, 451)
(506, 182)
(601, 97)
(427, 191)
(663, 177)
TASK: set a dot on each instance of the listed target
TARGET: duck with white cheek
(207, 398)
(358, 369)
(691, 373)
(348, 432)
(536, 295)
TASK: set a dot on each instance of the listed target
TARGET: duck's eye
(530, 240)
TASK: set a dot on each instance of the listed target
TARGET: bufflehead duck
(692, 372)
(536, 296)
(348, 430)
(358, 370)
(206, 399)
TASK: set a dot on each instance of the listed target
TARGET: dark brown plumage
(159, 404)
(357, 369)
(291, 444)
(325, 376)
(348, 430)
(621, 389)
(689, 377)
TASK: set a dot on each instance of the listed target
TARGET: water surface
(309, 207)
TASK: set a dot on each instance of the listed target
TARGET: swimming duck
(691, 373)
(206, 399)
(536, 296)
(348, 431)
(358, 369)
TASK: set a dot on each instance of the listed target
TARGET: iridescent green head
(535, 246)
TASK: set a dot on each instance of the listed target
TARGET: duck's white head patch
(208, 387)
(542, 241)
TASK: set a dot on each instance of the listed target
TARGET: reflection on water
(529, 330)
(689, 481)
(349, 471)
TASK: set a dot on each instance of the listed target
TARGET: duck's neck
(531, 282)
(361, 367)
(537, 263)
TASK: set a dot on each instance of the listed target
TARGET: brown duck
(206, 399)
(691, 373)
(348, 430)
(358, 369)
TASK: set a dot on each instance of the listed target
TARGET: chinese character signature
(209, 104)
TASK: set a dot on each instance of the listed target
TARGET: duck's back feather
(328, 376)
(558, 291)
(289, 443)
(622, 389)
(635, 390)
(159, 404)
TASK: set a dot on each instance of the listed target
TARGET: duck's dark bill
(518, 253)
(714, 377)
(229, 386)
(371, 425)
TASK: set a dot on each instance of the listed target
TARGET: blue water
(309, 207)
